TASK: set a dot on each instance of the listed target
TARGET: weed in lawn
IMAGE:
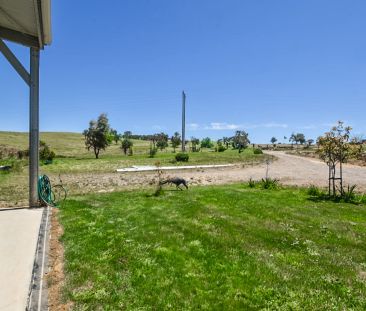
(269, 183)
(349, 194)
(252, 183)
(315, 191)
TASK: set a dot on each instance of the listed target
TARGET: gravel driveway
(289, 169)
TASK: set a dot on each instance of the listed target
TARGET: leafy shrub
(152, 152)
(220, 148)
(206, 143)
(45, 153)
(257, 151)
(349, 195)
(182, 157)
(252, 183)
(269, 183)
(314, 191)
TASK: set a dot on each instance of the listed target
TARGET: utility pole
(183, 121)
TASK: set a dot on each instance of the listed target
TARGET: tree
(292, 139)
(45, 153)
(240, 141)
(127, 134)
(195, 142)
(300, 138)
(162, 140)
(175, 140)
(310, 142)
(97, 136)
(335, 148)
(206, 143)
(115, 136)
(226, 141)
(126, 145)
(273, 140)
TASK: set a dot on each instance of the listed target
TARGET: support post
(34, 127)
(183, 122)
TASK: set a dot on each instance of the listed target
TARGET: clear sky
(268, 67)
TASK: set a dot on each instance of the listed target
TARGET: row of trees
(297, 138)
(99, 135)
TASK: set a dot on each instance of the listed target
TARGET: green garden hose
(49, 195)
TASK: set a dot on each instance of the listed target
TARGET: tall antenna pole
(183, 121)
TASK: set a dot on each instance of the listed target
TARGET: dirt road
(289, 169)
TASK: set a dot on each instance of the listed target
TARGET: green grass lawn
(214, 248)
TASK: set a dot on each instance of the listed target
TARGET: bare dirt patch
(56, 276)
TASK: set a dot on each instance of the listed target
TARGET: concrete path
(19, 230)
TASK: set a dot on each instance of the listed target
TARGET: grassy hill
(64, 143)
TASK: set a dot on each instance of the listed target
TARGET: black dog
(177, 181)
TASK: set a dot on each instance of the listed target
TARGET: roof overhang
(27, 22)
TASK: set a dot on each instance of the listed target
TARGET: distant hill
(63, 143)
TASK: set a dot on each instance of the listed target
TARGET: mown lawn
(214, 248)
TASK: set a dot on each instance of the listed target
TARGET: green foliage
(252, 183)
(349, 194)
(175, 140)
(334, 148)
(126, 145)
(127, 134)
(220, 147)
(45, 153)
(152, 152)
(257, 151)
(269, 183)
(182, 157)
(195, 143)
(297, 138)
(240, 141)
(97, 136)
(206, 143)
(273, 140)
(314, 191)
(115, 136)
(162, 141)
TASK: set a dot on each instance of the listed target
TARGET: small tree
(310, 142)
(206, 143)
(292, 139)
(175, 140)
(240, 140)
(126, 145)
(335, 148)
(195, 142)
(300, 138)
(97, 136)
(115, 136)
(226, 141)
(162, 141)
(45, 153)
(127, 134)
(273, 140)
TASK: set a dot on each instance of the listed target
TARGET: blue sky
(268, 67)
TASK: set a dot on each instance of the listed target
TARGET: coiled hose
(48, 195)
